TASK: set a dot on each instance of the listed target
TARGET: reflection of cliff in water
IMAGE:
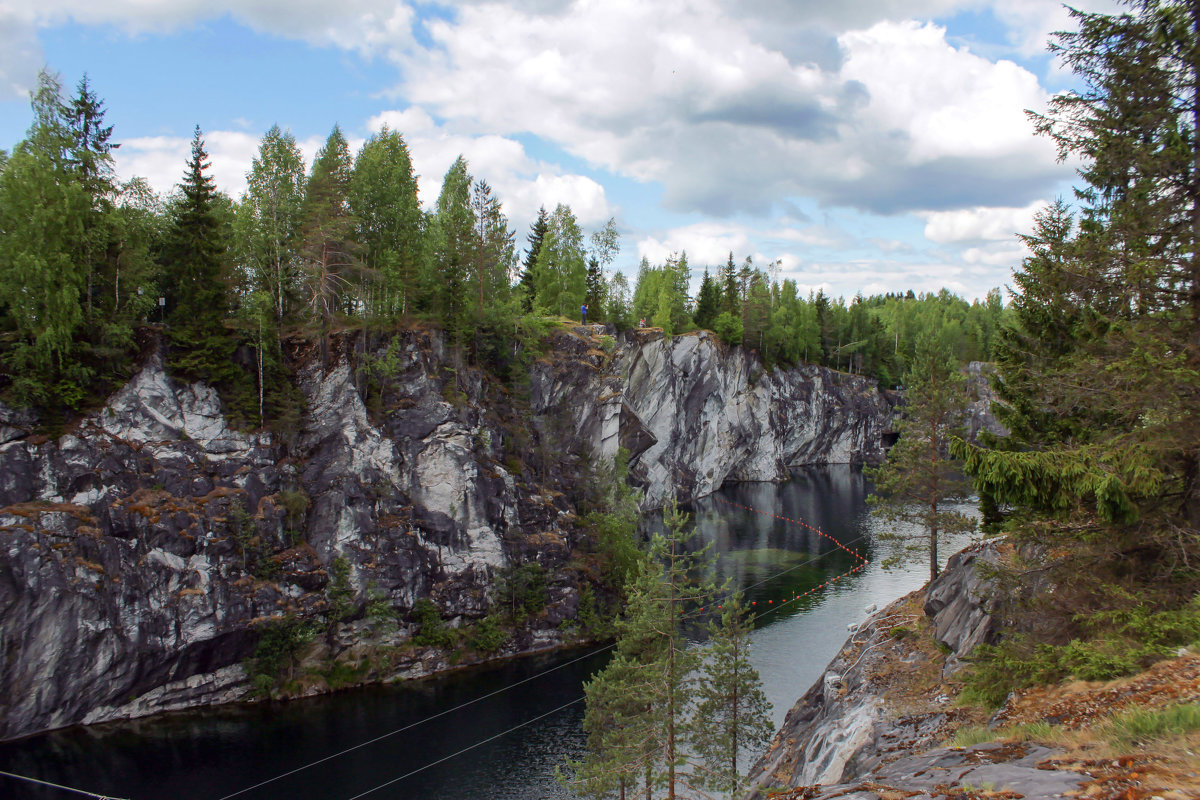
(751, 547)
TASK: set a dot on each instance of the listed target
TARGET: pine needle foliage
(919, 478)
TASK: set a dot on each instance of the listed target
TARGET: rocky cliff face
(695, 414)
(883, 695)
(142, 552)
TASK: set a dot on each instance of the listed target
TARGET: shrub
(274, 659)
(432, 630)
(486, 636)
(521, 590)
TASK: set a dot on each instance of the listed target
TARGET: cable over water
(861, 564)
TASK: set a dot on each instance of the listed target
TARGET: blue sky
(868, 146)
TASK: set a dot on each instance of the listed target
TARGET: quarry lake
(213, 755)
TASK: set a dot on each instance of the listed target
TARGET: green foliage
(195, 263)
(329, 266)
(1135, 729)
(486, 636)
(380, 611)
(43, 207)
(637, 717)
(255, 550)
(1115, 642)
(280, 641)
(728, 327)
(432, 630)
(918, 479)
(521, 590)
(388, 223)
(295, 505)
(732, 717)
(339, 592)
(269, 218)
(560, 271)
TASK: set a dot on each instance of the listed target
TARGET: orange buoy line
(862, 560)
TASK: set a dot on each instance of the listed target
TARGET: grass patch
(1130, 730)
(1041, 732)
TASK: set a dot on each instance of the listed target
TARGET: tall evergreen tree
(1112, 419)
(919, 479)
(733, 716)
(639, 707)
(708, 302)
(194, 266)
(537, 234)
(731, 296)
(329, 255)
(91, 152)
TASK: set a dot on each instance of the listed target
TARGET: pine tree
(732, 716)
(639, 706)
(919, 479)
(329, 255)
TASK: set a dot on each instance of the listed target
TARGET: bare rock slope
(142, 552)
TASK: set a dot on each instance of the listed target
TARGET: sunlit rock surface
(141, 551)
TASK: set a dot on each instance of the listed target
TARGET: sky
(855, 146)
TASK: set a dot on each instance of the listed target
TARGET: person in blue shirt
(583, 311)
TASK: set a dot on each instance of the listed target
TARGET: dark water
(213, 754)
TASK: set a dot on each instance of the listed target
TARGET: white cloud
(522, 183)
(682, 93)
(946, 100)
(706, 243)
(980, 223)
(162, 160)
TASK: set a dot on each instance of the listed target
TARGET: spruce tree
(194, 265)
(708, 302)
(731, 296)
(537, 234)
(1105, 401)
(91, 153)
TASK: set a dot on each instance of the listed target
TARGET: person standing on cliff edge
(583, 311)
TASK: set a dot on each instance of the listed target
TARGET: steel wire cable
(93, 795)
(590, 654)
